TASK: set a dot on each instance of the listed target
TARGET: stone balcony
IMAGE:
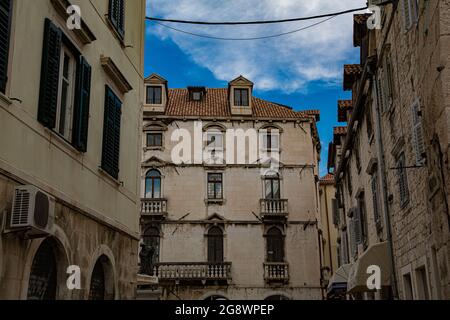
(276, 272)
(274, 209)
(154, 208)
(192, 272)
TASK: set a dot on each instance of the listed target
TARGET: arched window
(215, 245)
(275, 245)
(272, 187)
(97, 289)
(153, 184)
(43, 276)
(151, 242)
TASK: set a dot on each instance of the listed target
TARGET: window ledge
(107, 175)
(115, 74)
(61, 140)
(154, 149)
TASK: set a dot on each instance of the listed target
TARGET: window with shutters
(5, 30)
(215, 245)
(410, 13)
(417, 133)
(116, 16)
(353, 238)
(361, 214)
(215, 186)
(111, 134)
(66, 93)
(275, 245)
(376, 202)
(402, 181)
(64, 96)
(385, 84)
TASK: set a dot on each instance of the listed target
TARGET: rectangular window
(154, 139)
(402, 181)
(407, 287)
(5, 30)
(215, 186)
(361, 214)
(66, 96)
(271, 141)
(272, 188)
(65, 88)
(417, 132)
(154, 95)
(111, 134)
(117, 16)
(422, 284)
(376, 201)
(241, 98)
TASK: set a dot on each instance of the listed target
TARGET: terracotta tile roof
(314, 113)
(327, 180)
(351, 72)
(343, 107)
(340, 131)
(216, 104)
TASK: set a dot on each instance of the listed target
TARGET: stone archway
(101, 279)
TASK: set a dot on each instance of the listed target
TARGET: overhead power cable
(228, 23)
(244, 39)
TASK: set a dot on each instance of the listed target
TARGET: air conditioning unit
(33, 210)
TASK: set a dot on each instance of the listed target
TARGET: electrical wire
(244, 39)
(228, 23)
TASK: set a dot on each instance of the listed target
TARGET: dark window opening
(154, 95)
(275, 245)
(241, 98)
(43, 276)
(154, 139)
(215, 245)
(97, 288)
(215, 186)
(117, 16)
(272, 187)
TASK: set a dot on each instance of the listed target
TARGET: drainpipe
(382, 167)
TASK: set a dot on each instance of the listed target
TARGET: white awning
(375, 255)
(339, 279)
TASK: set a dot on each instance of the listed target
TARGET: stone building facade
(327, 229)
(70, 117)
(405, 64)
(213, 226)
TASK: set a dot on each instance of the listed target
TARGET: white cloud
(286, 63)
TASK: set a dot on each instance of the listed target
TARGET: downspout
(382, 169)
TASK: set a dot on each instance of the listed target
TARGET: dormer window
(154, 95)
(241, 97)
(196, 93)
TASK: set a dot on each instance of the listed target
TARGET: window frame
(215, 245)
(238, 99)
(272, 179)
(216, 196)
(277, 242)
(154, 100)
(154, 146)
(116, 19)
(402, 181)
(153, 179)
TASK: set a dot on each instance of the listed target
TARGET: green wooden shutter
(117, 15)
(48, 97)
(111, 134)
(81, 112)
(417, 132)
(5, 24)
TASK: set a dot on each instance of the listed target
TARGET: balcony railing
(192, 271)
(276, 272)
(274, 207)
(154, 207)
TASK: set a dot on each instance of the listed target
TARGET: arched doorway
(42, 284)
(102, 280)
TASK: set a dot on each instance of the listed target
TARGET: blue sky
(302, 70)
